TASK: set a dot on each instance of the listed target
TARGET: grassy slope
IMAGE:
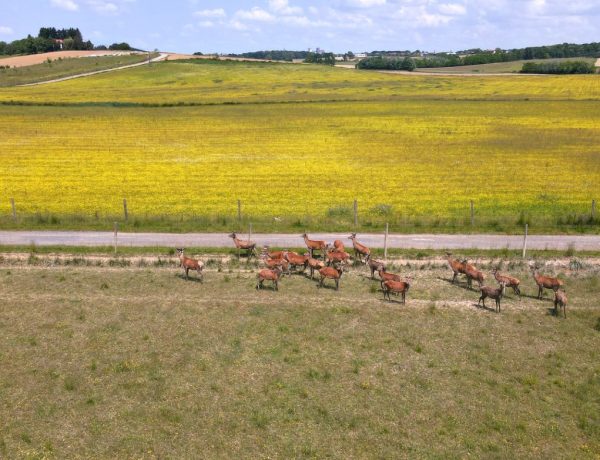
(101, 362)
(64, 68)
(498, 67)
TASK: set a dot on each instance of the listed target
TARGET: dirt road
(422, 241)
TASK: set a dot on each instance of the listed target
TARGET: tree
(408, 64)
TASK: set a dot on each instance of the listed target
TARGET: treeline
(48, 40)
(273, 55)
(384, 63)
(560, 68)
(320, 58)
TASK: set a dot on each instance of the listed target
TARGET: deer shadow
(481, 307)
(192, 278)
(458, 284)
(266, 287)
(327, 286)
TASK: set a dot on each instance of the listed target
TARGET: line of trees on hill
(274, 55)
(384, 63)
(48, 40)
(563, 67)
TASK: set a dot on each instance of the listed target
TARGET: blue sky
(337, 25)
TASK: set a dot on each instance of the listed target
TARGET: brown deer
(360, 250)
(456, 265)
(375, 265)
(509, 281)
(333, 273)
(386, 276)
(190, 264)
(314, 264)
(338, 246)
(272, 254)
(545, 282)
(397, 288)
(268, 275)
(560, 300)
(296, 260)
(282, 263)
(337, 257)
(314, 245)
(492, 293)
(473, 274)
(248, 246)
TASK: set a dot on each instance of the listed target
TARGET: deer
(473, 274)
(385, 276)
(268, 275)
(272, 254)
(337, 257)
(397, 288)
(248, 246)
(313, 264)
(492, 293)
(333, 273)
(375, 265)
(560, 300)
(456, 265)
(314, 245)
(338, 246)
(282, 263)
(545, 282)
(296, 260)
(360, 250)
(510, 281)
(190, 264)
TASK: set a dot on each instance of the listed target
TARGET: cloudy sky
(337, 25)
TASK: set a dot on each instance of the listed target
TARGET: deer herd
(331, 261)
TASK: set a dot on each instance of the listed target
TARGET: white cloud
(214, 13)
(453, 9)
(283, 7)
(206, 24)
(255, 14)
(366, 3)
(101, 6)
(4, 30)
(69, 5)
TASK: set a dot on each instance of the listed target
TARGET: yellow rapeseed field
(402, 155)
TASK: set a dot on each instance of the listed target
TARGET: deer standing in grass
(386, 276)
(509, 281)
(395, 287)
(334, 273)
(296, 260)
(190, 264)
(375, 265)
(334, 257)
(492, 293)
(248, 246)
(456, 265)
(272, 254)
(281, 263)
(473, 274)
(338, 246)
(268, 275)
(314, 264)
(314, 245)
(360, 250)
(545, 282)
(560, 300)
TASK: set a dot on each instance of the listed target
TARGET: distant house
(360, 55)
(60, 42)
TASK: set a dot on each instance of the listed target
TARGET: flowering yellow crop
(399, 158)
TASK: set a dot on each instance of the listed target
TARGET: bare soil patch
(32, 59)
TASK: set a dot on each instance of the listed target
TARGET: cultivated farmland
(297, 144)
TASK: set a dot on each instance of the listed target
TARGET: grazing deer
(375, 265)
(272, 254)
(338, 246)
(492, 293)
(282, 263)
(314, 245)
(268, 275)
(337, 257)
(386, 276)
(545, 282)
(360, 250)
(248, 246)
(473, 274)
(190, 264)
(296, 260)
(314, 264)
(509, 281)
(332, 273)
(560, 300)
(456, 265)
(395, 287)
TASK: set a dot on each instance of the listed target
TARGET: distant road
(423, 241)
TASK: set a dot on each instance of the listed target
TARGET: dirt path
(33, 59)
(160, 57)
(216, 240)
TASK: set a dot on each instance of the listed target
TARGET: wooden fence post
(387, 228)
(116, 228)
(472, 214)
(125, 209)
(355, 213)
(525, 240)
(14, 209)
(239, 211)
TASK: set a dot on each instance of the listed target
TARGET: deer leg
(200, 276)
(276, 285)
(186, 273)
(337, 285)
(404, 297)
(454, 277)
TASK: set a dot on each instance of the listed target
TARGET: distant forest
(47, 40)
(273, 55)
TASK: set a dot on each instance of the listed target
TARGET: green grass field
(113, 362)
(63, 68)
(498, 67)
